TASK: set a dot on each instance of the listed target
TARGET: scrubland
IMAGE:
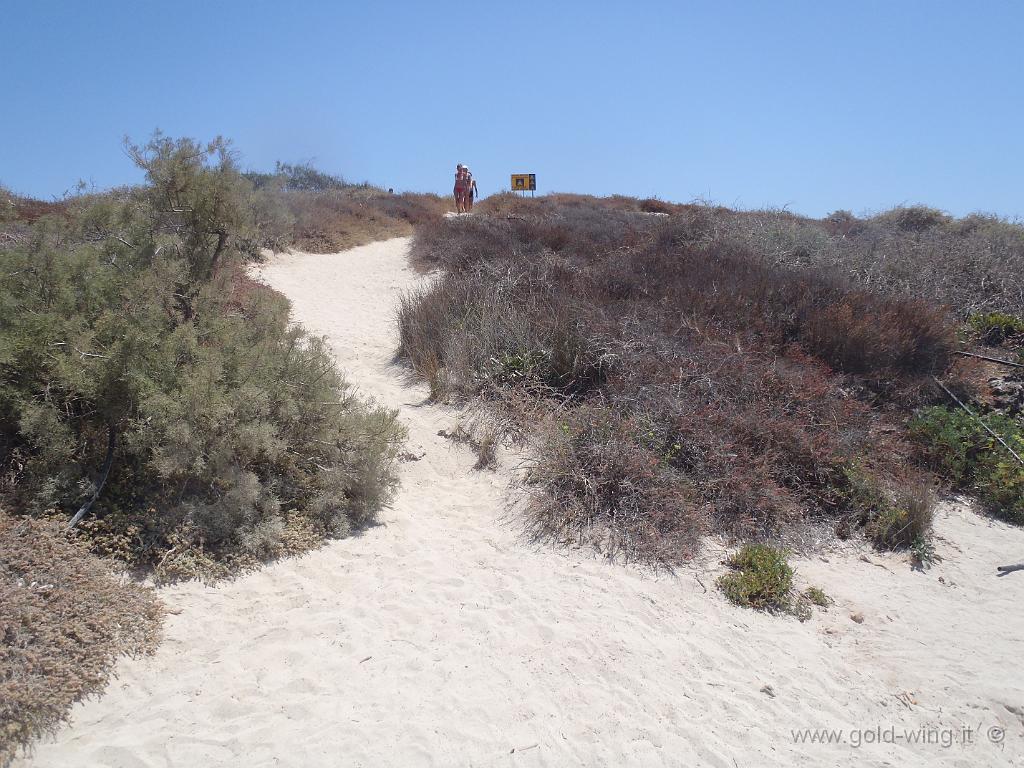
(301, 207)
(679, 370)
(674, 372)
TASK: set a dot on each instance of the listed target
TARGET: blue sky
(809, 105)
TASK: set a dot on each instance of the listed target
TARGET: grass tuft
(817, 596)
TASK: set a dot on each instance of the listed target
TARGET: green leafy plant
(996, 327)
(962, 451)
(762, 579)
(922, 550)
(817, 596)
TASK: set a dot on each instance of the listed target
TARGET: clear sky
(812, 105)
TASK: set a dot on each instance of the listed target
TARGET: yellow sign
(524, 182)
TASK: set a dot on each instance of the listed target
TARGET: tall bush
(147, 383)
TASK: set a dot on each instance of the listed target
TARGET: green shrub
(996, 327)
(145, 380)
(817, 596)
(1001, 485)
(963, 452)
(951, 442)
(762, 578)
(922, 550)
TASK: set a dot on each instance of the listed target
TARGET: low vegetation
(996, 327)
(972, 265)
(672, 381)
(963, 451)
(816, 596)
(896, 515)
(64, 620)
(677, 370)
(761, 578)
(685, 369)
(300, 206)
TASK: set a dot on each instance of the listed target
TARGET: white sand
(440, 638)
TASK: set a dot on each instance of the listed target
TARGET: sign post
(523, 182)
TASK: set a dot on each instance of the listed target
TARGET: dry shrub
(597, 482)
(969, 265)
(333, 220)
(866, 334)
(682, 372)
(65, 618)
(300, 206)
(29, 209)
(914, 218)
(905, 520)
(654, 205)
(486, 448)
(483, 436)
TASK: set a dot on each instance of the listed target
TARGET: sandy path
(439, 638)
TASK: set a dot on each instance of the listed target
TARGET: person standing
(470, 190)
(462, 186)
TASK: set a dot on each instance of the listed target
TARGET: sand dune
(440, 638)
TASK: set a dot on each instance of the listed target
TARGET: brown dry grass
(328, 221)
(64, 619)
(969, 265)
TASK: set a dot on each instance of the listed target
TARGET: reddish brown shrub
(699, 385)
(654, 205)
(864, 334)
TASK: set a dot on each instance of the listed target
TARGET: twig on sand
(992, 359)
(522, 749)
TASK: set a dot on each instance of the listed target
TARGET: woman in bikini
(462, 186)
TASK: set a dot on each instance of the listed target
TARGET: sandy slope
(439, 638)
